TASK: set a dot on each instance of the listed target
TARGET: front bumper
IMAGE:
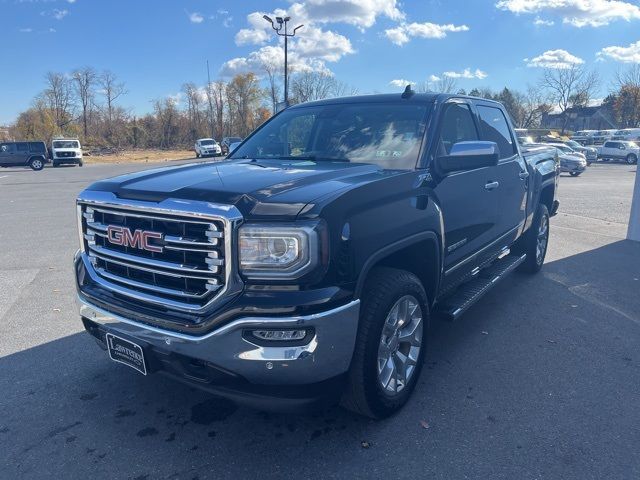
(572, 167)
(66, 160)
(231, 365)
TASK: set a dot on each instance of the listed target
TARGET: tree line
(90, 104)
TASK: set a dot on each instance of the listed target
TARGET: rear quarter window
(37, 147)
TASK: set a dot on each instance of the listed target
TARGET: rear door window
(494, 128)
(22, 147)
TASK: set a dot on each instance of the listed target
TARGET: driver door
(468, 202)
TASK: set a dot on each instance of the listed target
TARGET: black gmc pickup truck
(305, 268)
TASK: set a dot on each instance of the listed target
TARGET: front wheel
(632, 159)
(535, 241)
(574, 174)
(390, 345)
(36, 164)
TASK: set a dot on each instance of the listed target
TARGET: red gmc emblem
(138, 239)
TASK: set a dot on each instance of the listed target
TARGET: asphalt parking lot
(539, 380)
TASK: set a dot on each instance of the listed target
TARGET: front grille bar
(190, 272)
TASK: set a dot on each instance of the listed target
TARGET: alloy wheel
(400, 345)
(543, 239)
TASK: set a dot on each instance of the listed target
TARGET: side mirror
(469, 156)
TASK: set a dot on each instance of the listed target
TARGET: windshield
(233, 140)
(388, 135)
(573, 144)
(66, 144)
(207, 142)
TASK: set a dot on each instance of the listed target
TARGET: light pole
(282, 22)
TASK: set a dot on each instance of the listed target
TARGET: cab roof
(392, 98)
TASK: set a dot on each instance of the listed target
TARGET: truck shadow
(65, 399)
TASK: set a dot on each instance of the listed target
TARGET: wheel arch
(420, 254)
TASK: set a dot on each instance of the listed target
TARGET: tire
(80, 164)
(388, 290)
(529, 242)
(36, 164)
(55, 164)
(575, 174)
(631, 159)
(197, 155)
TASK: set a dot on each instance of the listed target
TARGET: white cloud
(272, 56)
(467, 73)
(26, 30)
(630, 54)
(579, 13)
(324, 45)
(251, 36)
(554, 59)
(401, 82)
(540, 22)
(403, 32)
(434, 78)
(71, 1)
(361, 13)
(195, 17)
(60, 14)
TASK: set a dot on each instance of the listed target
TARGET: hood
(263, 188)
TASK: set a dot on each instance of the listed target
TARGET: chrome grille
(189, 271)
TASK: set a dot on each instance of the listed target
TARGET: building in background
(580, 118)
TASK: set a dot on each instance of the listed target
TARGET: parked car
(602, 136)
(28, 154)
(226, 143)
(619, 150)
(590, 153)
(207, 147)
(66, 151)
(233, 146)
(627, 134)
(571, 162)
(584, 137)
(306, 268)
(525, 140)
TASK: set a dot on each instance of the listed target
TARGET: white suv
(619, 150)
(206, 147)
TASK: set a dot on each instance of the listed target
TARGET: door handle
(524, 175)
(491, 185)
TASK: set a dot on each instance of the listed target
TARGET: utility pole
(210, 102)
(282, 24)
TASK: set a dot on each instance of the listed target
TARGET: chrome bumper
(327, 354)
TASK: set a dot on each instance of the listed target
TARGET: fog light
(279, 335)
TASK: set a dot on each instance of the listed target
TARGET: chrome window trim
(229, 215)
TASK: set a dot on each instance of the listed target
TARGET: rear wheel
(390, 345)
(631, 159)
(574, 174)
(534, 243)
(36, 164)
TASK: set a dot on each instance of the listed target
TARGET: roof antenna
(408, 93)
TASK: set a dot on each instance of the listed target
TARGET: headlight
(275, 251)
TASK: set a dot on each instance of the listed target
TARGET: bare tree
(569, 87)
(441, 85)
(535, 104)
(112, 90)
(244, 96)
(84, 80)
(308, 86)
(274, 88)
(59, 98)
(194, 109)
(217, 93)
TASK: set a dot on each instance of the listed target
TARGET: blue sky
(156, 46)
